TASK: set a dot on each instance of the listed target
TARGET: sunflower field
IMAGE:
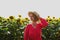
(12, 28)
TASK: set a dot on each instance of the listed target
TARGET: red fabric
(31, 33)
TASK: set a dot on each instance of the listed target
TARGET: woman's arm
(26, 32)
(43, 22)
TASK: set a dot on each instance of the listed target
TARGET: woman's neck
(34, 24)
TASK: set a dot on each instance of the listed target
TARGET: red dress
(31, 33)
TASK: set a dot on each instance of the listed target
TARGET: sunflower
(55, 19)
(19, 16)
(48, 16)
(27, 19)
(11, 17)
(7, 19)
(18, 20)
(21, 22)
(49, 19)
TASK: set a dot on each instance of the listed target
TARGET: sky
(43, 7)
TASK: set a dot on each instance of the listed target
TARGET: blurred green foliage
(13, 28)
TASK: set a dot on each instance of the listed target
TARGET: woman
(33, 31)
